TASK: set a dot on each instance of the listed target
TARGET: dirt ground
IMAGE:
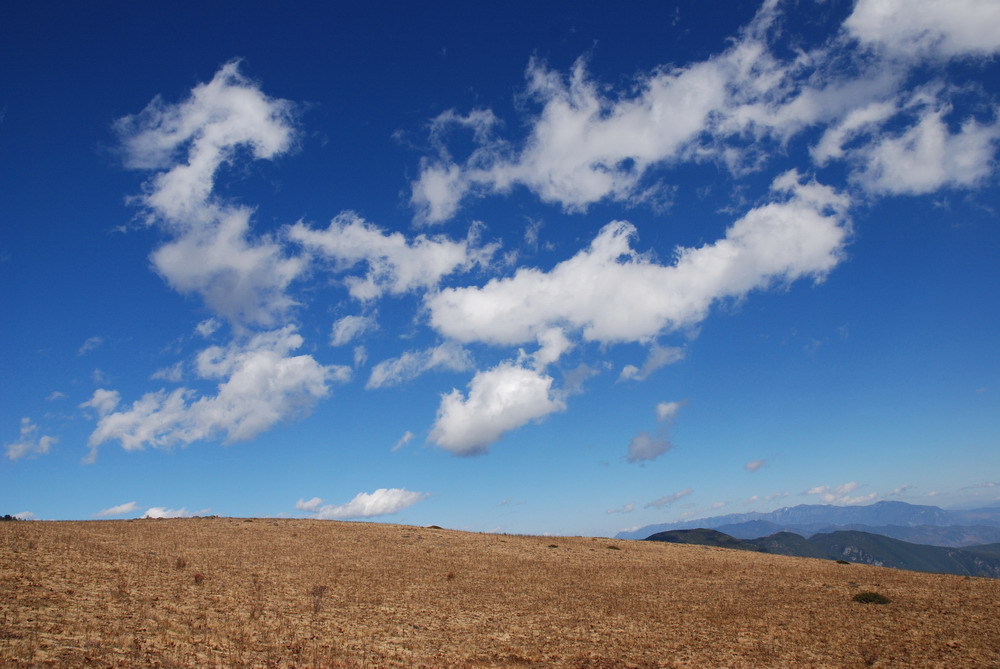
(207, 592)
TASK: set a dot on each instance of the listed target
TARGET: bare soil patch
(277, 592)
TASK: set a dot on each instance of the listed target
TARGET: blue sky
(562, 269)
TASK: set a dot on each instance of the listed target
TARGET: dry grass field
(274, 592)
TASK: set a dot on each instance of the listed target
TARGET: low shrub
(871, 598)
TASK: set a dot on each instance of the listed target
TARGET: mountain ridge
(812, 518)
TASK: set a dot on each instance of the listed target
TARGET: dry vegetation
(265, 592)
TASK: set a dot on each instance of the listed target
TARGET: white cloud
(241, 278)
(260, 384)
(207, 327)
(394, 265)
(89, 345)
(659, 356)
(668, 410)
(899, 490)
(841, 494)
(628, 508)
(164, 512)
(55, 395)
(102, 401)
(308, 505)
(119, 510)
(856, 121)
(582, 146)
(27, 445)
(382, 502)
(499, 400)
(589, 143)
(927, 156)
(403, 441)
(360, 355)
(667, 500)
(412, 364)
(173, 374)
(347, 329)
(912, 27)
(26, 515)
(615, 294)
(754, 465)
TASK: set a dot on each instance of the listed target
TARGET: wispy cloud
(628, 508)
(667, 500)
(841, 494)
(403, 441)
(27, 444)
(645, 446)
(119, 510)
(411, 364)
(91, 344)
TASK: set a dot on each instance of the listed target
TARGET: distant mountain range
(853, 546)
(912, 523)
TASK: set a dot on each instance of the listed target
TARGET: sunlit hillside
(278, 592)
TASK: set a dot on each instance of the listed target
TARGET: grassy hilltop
(270, 592)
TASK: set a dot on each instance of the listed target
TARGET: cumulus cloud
(754, 465)
(589, 142)
(260, 384)
(26, 515)
(164, 512)
(667, 410)
(928, 27)
(119, 510)
(394, 264)
(667, 500)
(308, 504)
(499, 400)
(412, 364)
(927, 157)
(27, 444)
(612, 293)
(212, 253)
(841, 494)
(347, 329)
(382, 502)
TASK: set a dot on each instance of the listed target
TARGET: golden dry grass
(328, 594)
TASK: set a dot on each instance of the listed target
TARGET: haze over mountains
(912, 523)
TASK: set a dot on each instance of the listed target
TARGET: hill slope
(283, 592)
(703, 537)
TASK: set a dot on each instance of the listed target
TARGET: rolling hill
(854, 546)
